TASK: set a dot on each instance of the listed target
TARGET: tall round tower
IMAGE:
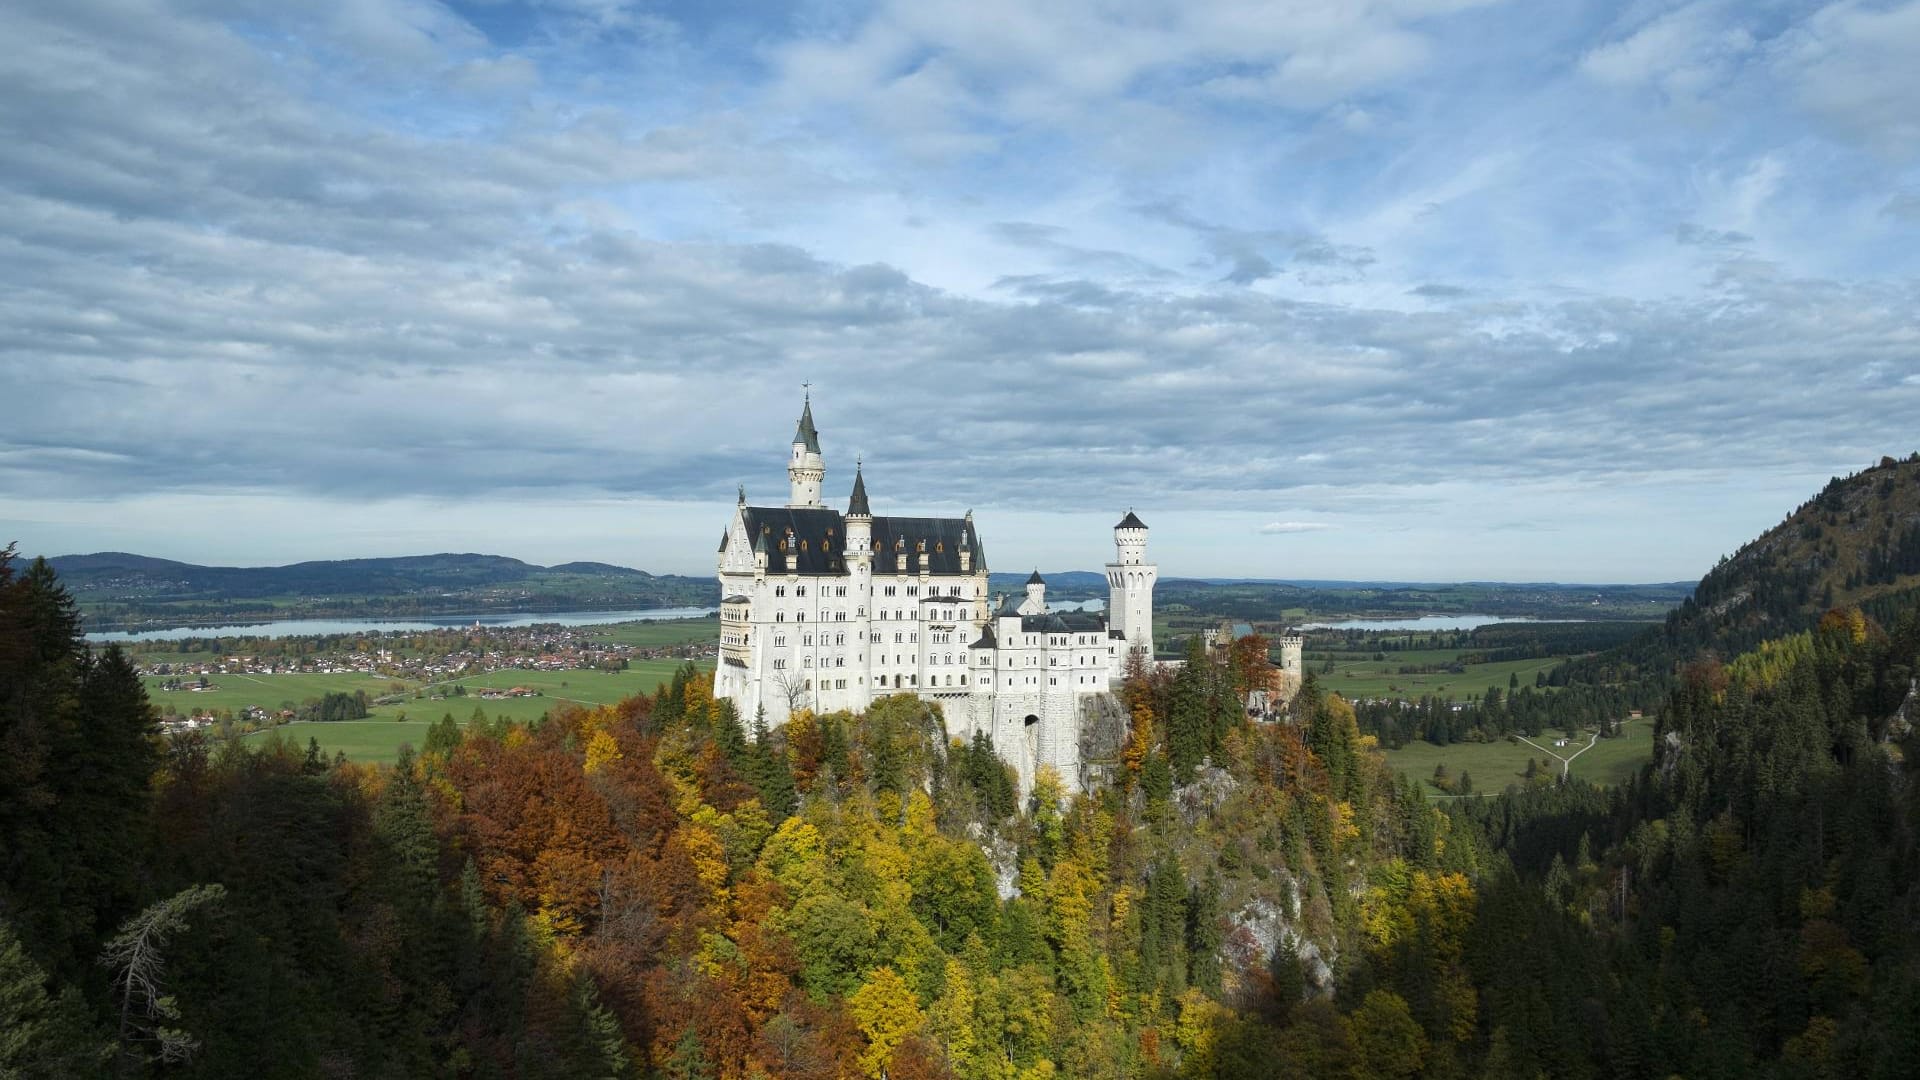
(1130, 579)
(859, 521)
(807, 470)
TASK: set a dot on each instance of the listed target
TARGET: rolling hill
(121, 589)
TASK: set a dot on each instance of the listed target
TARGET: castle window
(779, 640)
(807, 640)
(800, 590)
(779, 616)
(806, 661)
(779, 590)
(799, 616)
(803, 545)
(913, 590)
(963, 678)
(779, 665)
(839, 639)
(940, 548)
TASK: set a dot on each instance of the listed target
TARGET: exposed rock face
(1203, 798)
(1260, 927)
(1103, 733)
(1906, 714)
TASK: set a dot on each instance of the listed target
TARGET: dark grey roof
(1131, 521)
(819, 535)
(942, 539)
(1036, 579)
(987, 640)
(805, 433)
(1064, 622)
(858, 503)
(815, 533)
(723, 539)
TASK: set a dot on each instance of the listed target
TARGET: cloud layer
(1445, 288)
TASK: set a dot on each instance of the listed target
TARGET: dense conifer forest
(660, 889)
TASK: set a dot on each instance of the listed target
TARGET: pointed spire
(1036, 579)
(858, 503)
(805, 433)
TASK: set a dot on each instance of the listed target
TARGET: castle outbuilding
(822, 610)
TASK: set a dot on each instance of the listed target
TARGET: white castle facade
(823, 611)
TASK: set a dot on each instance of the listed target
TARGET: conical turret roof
(805, 433)
(1036, 579)
(858, 503)
(1131, 521)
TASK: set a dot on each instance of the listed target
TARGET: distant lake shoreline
(1425, 622)
(317, 627)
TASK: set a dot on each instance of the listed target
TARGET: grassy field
(1495, 765)
(379, 737)
(652, 635)
(236, 692)
(587, 688)
(1382, 678)
(360, 740)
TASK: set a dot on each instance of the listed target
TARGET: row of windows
(801, 590)
(914, 590)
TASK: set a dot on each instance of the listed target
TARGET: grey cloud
(1905, 206)
(1245, 252)
(1693, 235)
(1438, 292)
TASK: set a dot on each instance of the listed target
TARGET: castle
(822, 611)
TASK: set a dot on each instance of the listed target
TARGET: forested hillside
(1856, 543)
(650, 890)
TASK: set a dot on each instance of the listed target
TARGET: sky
(1382, 289)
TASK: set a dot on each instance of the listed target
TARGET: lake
(1423, 622)
(293, 627)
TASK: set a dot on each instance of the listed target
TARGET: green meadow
(653, 635)
(1368, 678)
(1494, 765)
(379, 737)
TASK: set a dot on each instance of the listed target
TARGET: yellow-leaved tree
(887, 1013)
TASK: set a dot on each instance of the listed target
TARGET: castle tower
(1036, 601)
(1130, 579)
(859, 521)
(1290, 646)
(807, 470)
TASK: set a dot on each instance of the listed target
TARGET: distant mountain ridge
(120, 588)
